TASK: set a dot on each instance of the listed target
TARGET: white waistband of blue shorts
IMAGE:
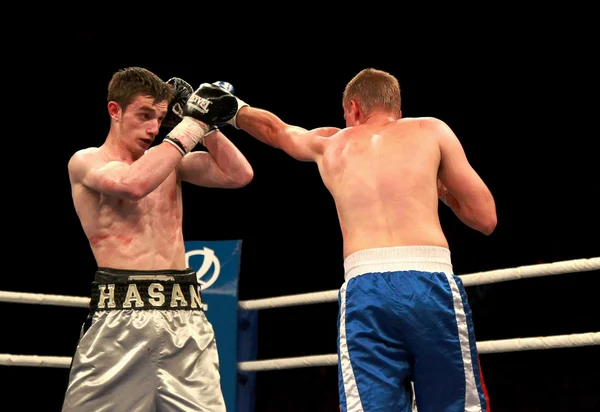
(392, 259)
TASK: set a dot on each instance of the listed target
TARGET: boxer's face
(140, 122)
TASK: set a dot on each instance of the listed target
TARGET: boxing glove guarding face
(181, 93)
(206, 108)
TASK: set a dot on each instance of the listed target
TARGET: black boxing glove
(240, 103)
(212, 104)
(229, 87)
(181, 93)
(207, 106)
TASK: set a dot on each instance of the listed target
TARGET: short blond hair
(374, 89)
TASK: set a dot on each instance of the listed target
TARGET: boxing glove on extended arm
(206, 107)
(229, 87)
(240, 103)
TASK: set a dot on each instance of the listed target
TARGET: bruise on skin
(94, 240)
(124, 239)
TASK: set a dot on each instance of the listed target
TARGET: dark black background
(522, 98)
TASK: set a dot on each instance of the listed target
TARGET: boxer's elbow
(489, 224)
(242, 178)
(490, 217)
(136, 193)
(483, 217)
(246, 178)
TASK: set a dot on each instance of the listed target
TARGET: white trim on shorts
(396, 258)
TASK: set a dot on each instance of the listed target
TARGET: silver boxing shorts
(145, 346)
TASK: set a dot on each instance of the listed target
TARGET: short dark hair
(128, 83)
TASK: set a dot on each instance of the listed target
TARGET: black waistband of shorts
(124, 275)
(117, 289)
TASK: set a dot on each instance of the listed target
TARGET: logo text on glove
(200, 103)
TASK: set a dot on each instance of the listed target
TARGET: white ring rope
(34, 360)
(480, 278)
(494, 346)
(523, 272)
(290, 300)
(497, 346)
(40, 299)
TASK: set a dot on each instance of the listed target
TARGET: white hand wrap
(187, 134)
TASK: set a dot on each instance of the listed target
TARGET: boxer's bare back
(383, 177)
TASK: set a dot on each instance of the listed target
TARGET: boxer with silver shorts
(147, 344)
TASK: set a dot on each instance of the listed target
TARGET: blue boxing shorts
(404, 316)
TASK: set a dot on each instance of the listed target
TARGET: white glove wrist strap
(241, 104)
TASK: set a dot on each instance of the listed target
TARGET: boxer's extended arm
(119, 179)
(301, 144)
(224, 166)
(460, 187)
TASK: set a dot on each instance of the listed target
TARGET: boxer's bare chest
(161, 207)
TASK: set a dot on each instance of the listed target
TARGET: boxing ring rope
(480, 278)
(495, 346)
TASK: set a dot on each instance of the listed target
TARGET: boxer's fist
(211, 105)
(181, 93)
(219, 90)
(229, 87)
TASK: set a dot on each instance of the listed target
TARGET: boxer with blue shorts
(404, 316)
